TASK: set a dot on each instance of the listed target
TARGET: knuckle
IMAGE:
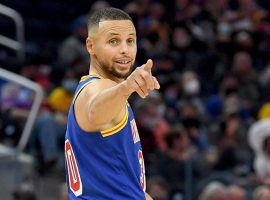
(140, 73)
(136, 87)
(141, 82)
(144, 74)
(137, 70)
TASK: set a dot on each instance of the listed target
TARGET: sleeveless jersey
(107, 164)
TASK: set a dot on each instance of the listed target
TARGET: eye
(131, 41)
(113, 42)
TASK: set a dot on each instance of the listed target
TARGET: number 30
(142, 177)
(74, 178)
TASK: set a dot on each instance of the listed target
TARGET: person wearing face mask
(69, 84)
(50, 125)
(60, 97)
(190, 85)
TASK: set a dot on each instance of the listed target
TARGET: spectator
(232, 144)
(170, 164)
(235, 192)
(63, 192)
(214, 191)
(261, 193)
(50, 125)
(262, 161)
(211, 51)
(247, 77)
(259, 140)
(158, 188)
(24, 192)
(150, 119)
(73, 47)
(191, 88)
(193, 124)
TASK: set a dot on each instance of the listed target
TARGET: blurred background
(205, 133)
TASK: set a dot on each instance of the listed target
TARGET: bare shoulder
(85, 97)
(97, 86)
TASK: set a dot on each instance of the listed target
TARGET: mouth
(123, 63)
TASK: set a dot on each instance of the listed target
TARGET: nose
(123, 48)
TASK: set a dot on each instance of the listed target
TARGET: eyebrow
(113, 34)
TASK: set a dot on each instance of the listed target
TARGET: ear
(90, 45)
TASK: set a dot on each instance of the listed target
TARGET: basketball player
(104, 159)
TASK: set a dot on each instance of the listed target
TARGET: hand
(148, 197)
(141, 80)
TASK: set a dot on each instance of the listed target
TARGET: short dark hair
(107, 14)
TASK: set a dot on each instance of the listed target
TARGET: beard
(118, 74)
(111, 69)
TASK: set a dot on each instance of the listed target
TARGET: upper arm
(83, 103)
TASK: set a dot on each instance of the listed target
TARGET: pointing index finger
(148, 66)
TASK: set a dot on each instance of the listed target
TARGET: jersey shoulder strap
(85, 80)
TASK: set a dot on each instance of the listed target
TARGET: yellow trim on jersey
(117, 127)
(83, 86)
(84, 78)
(90, 75)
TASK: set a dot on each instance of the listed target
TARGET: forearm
(108, 104)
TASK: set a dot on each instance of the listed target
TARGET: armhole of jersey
(82, 87)
(76, 96)
(117, 127)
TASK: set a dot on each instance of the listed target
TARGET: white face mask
(192, 87)
(70, 84)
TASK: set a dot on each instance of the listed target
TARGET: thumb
(148, 66)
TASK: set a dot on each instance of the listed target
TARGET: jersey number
(142, 177)
(74, 178)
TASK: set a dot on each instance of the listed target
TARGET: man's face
(114, 47)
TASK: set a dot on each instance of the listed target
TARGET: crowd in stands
(206, 132)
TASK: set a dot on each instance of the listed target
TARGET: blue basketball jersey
(107, 164)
